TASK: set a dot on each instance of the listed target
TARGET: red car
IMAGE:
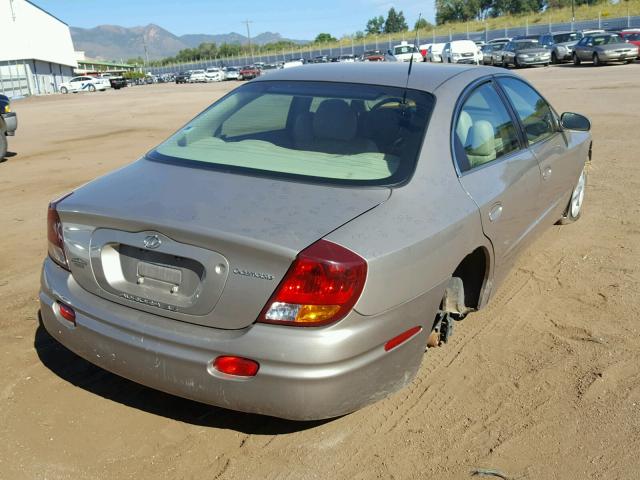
(373, 56)
(249, 72)
(632, 36)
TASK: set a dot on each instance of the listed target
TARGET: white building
(36, 51)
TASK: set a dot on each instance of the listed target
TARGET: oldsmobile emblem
(152, 241)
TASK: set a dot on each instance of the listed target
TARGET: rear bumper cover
(305, 373)
(11, 121)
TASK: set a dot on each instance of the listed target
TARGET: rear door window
(484, 129)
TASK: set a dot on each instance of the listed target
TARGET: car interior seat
(481, 143)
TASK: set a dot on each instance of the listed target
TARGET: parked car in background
(461, 51)
(632, 36)
(182, 77)
(489, 51)
(405, 52)
(248, 72)
(525, 53)
(268, 68)
(347, 57)
(560, 44)
(320, 59)
(214, 74)
(435, 53)
(424, 50)
(502, 40)
(197, 76)
(116, 81)
(293, 63)
(373, 56)
(300, 255)
(232, 73)
(8, 124)
(85, 84)
(602, 48)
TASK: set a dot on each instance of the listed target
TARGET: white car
(461, 51)
(214, 74)
(85, 84)
(292, 63)
(435, 53)
(197, 76)
(232, 73)
(347, 58)
(405, 51)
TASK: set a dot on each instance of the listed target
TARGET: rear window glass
(341, 133)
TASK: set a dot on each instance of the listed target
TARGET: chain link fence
(358, 47)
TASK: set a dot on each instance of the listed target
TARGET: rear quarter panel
(415, 240)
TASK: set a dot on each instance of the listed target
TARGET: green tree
(395, 22)
(375, 25)
(422, 24)
(324, 38)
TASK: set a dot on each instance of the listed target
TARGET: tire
(574, 209)
(64, 90)
(92, 88)
(576, 59)
(596, 60)
(504, 63)
(3, 144)
(516, 63)
(554, 58)
(546, 64)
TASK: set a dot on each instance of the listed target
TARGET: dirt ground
(543, 384)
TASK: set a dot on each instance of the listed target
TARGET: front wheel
(576, 59)
(516, 63)
(3, 145)
(596, 60)
(64, 90)
(554, 58)
(92, 88)
(574, 209)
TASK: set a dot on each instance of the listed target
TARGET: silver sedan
(603, 48)
(294, 249)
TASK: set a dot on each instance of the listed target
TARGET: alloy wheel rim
(578, 196)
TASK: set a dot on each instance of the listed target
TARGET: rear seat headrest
(335, 120)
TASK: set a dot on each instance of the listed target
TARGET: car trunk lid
(194, 244)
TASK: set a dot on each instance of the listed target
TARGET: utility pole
(146, 52)
(247, 22)
(573, 12)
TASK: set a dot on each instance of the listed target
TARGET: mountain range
(113, 42)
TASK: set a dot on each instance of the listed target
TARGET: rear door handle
(496, 212)
(546, 173)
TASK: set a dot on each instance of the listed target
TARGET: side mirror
(575, 121)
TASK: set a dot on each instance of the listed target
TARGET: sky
(295, 19)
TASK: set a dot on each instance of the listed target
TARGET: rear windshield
(607, 39)
(404, 49)
(342, 133)
(525, 45)
(567, 37)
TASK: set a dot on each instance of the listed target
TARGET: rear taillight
(54, 234)
(322, 286)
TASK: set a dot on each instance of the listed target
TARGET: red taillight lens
(237, 366)
(321, 286)
(54, 235)
(67, 312)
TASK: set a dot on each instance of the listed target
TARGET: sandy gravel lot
(543, 384)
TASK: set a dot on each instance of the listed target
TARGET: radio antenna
(406, 85)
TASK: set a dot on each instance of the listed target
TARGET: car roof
(424, 76)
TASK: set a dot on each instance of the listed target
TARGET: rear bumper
(11, 121)
(304, 374)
